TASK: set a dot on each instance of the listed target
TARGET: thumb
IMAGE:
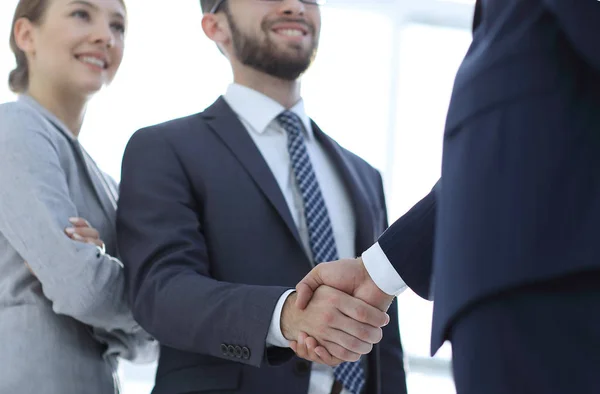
(307, 287)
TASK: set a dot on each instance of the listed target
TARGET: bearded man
(222, 213)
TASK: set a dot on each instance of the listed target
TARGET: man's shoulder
(174, 131)
(178, 125)
(178, 129)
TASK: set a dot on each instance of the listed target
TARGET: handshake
(336, 314)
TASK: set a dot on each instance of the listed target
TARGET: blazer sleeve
(162, 243)
(580, 20)
(408, 244)
(79, 279)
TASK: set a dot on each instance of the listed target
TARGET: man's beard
(265, 57)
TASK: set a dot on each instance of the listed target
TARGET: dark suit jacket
(519, 197)
(209, 246)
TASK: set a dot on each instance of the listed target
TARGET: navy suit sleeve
(391, 354)
(166, 260)
(408, 245)
(580, 20)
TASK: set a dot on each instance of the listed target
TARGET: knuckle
(364, 334)
(343, 354)
(361, 313)
(354, 344)
(328, 317)
(334, 299)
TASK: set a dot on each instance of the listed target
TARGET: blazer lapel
(104, 196)
(225, 123)
(102, 191)
(365, 236)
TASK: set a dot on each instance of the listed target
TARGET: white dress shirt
(258, 114)
(382, 271)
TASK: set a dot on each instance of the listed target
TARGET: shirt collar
(259, 110)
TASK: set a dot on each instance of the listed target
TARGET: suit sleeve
(393, 375)
(580, 20)
(408, 244)
(167, 263)
(79, 279)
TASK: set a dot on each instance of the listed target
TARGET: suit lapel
(226, 125)
(364, 216)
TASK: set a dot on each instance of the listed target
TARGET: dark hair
(34, 11)
(207, 5)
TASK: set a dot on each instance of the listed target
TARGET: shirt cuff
(382, 271)
(275, 336)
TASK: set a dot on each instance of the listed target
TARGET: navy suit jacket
(519, 197)
(209, 246)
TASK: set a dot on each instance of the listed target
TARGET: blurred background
(389, 63)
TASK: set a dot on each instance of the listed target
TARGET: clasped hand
(337, 337)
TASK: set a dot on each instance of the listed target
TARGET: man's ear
(216, 28)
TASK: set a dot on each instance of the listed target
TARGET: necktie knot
(290, 122)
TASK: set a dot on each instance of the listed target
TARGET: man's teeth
(93, 60)
(291, 32)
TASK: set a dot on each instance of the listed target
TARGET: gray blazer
(61, 330)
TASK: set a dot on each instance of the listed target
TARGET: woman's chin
(90, 88)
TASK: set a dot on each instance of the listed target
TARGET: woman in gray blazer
(66, 320)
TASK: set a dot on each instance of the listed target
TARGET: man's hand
(345, 326)
(82, 231)
(349, 276)
(308, 348)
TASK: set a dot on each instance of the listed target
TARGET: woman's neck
(68, 108)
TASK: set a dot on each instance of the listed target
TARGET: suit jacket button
(245, 353)
(238, 352)
(231, 351)
(302, 368)
(224, 349)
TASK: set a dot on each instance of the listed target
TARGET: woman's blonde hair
(33, 10)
